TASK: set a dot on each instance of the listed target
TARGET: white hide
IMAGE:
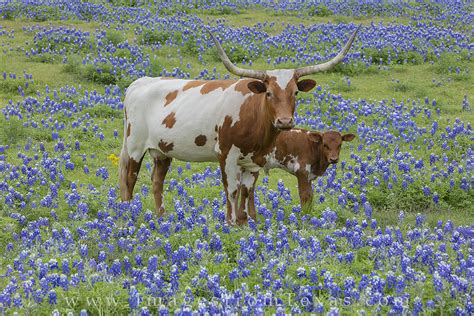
(311, 176)
(233, 174)
(283, 76)
(195, 113)
(292, 166)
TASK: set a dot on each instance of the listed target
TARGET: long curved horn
(257, 74)
(304, 71)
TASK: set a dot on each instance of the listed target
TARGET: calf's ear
(315, 137)
(306, 85)
(257, 86)
(348, 137)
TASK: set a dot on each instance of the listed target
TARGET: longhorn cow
(234, 122)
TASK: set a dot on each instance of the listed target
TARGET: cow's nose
(333, 159)
(284, 123)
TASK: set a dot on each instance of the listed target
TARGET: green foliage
(102, 75)
(236, 53)
(409, 57)
(155, 67)
(45, 58)
(175, 9)
(222, 11)
(190, 46)
(354, 69)
(399, 86)
(124, 3)
(46, 13)
(344, 85)
(12, 131)
(115, 37)
(123, 82)
(154, 37)
(103, 111)
(378, 55)
(12, 86)
(386, 56)
(124, 53)
(320, 10)
(454, 65)
(73, 65)
(7, 226)
(9, 11)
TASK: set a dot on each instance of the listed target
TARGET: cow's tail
(124, 163)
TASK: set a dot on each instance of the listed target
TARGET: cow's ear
(348, 137)
(315, 137)
(257, 86)
(306, 85)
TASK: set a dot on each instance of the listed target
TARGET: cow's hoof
(161, 212)
(242, 221)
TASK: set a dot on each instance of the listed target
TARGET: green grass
(413, 81)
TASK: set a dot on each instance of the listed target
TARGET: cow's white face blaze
(280, 89)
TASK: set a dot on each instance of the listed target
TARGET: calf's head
(329, 144)
(281, 86)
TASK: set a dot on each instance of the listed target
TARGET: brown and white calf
(235, 122)
(306, 155)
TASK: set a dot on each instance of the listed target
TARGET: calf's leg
(305, 191)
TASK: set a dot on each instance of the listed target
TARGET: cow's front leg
(247, 202)
(231, 178)
(305, 191)
(160, 169)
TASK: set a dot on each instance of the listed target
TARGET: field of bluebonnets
(391, 225)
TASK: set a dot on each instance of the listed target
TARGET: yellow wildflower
(114, 159)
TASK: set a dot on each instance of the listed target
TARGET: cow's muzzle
(333, 160)
(285, 123)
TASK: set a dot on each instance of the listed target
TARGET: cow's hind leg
(129, 169)
(160, 169)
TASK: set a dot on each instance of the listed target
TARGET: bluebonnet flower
(419, 219)
(368, 209)
(301, 272)
(52, 297)
(134, 298)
